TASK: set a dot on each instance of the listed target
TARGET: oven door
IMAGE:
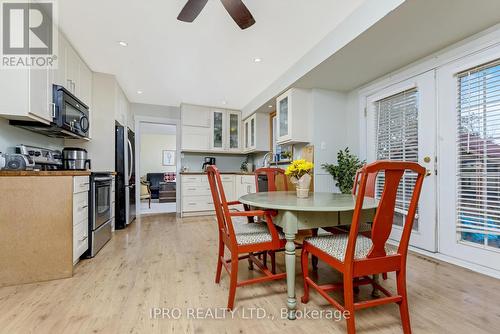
(101, 201)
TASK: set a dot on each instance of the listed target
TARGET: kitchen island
(38, 215)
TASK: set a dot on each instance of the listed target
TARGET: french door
(469, 127)
(401, 125)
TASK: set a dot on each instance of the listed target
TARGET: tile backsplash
(225, 162)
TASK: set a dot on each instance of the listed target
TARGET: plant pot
(302, 185)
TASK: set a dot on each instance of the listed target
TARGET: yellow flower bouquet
(299, 172)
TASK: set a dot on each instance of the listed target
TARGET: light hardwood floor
(168, 262)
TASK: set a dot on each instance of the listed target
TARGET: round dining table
(320, 209)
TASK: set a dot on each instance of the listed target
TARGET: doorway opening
(157, 157)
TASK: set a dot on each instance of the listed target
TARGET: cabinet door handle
(83, 207)
(53, 109)
(84, 238)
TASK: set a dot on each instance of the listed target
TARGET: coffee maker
(208, 161)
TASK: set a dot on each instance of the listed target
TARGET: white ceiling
(413, 30)
(205, 62)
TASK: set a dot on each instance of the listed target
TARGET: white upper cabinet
(85, 84)
(219, 125)
(27, 93)
(256, 133)
(206, 129)
(233, 134)
(293, 110)
(40, 94)
(192, 115)
(72, 73)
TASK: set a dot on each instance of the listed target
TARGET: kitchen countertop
(44, 173)
(203, 173)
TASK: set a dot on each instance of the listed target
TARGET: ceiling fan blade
(239, 12)
(191, 10)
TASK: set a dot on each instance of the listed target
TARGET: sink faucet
(266, 161)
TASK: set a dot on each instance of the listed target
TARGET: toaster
(16, 162)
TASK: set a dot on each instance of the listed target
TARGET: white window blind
(478, 144)
(397, 139)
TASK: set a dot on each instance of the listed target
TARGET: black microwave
(70, 117)
(71, 114)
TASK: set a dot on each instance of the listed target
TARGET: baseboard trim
(455, 261)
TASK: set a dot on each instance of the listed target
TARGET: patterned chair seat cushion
(252, 233)
(335, 245)
(363, 227)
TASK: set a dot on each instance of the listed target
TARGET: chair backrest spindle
(222, 212)
(384, 216)
(272, 176)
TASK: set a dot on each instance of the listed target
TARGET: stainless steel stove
(44, 158)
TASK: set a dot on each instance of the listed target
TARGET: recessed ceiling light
(123, 43)
(257, 60)
(270, 106)
(139, 92)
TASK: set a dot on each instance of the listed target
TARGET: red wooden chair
(357, 256)
(364, 228)
(272, 175)
(241, 237)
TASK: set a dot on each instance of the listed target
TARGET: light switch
(323, 146)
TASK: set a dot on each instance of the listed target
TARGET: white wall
(329, 133)
(11, 136)
(152, 146)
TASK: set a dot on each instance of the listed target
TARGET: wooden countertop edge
(43, 173)
(222, 173)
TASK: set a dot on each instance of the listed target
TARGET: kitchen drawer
(193, 178)
(80, 239)
(195, 189)
(247, 179)
(197, 203)
(227, 178)
(80, 207)
(80, 184)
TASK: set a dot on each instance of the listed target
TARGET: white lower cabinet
(196, 197)
(80, 216)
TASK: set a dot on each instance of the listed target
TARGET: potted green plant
(345, 170)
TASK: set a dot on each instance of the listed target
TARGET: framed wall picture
(168, 158)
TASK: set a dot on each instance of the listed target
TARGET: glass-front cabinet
(226, 130)
(233, 128)
(256, 133)
(293, 111)
(283, 117)
(218, 129)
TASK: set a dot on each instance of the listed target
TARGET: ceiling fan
(236, 8)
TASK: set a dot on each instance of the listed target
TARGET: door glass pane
(233, 130)
(478, 152)
(397, 139)
(217, 130)
(283, 117)
(252, 132)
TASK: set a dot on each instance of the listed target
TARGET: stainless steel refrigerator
(125, 176)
